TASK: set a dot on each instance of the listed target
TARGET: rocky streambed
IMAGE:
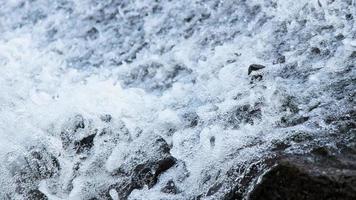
(152, 99)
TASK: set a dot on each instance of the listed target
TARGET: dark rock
(242, 177)
(92, 34)
(254, 67)
(342, 122)
(313, 175)
(299, 120)
(204, 16)
(85, 143)
(315, 50)
(280, 145)
(327, 27)
(301, 137)
(340, 37)
(320, 151)
(212, 141)
(293, 120)
(147, 174)
(353, 54)
(349, 16)
(170, 188)
(189, 18)
(153, 158)
(36, 195)
(213, 189)
(295, 179)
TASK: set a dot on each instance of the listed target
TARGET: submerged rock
(32, 167)
(70, 129)
(243, 114)
(190, 119)
(280, 59)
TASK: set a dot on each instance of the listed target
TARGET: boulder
(142, 164)
(297, 178)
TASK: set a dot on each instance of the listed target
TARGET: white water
(43, 82)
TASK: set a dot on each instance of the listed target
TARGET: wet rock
(147, 174)
(243, 114)
(353, 54)
(29, 169)
(342, 122)
(70, 130)
(315, 50)
(170, 188)
(212, 141)
(240, 178)
(297, 178)
(204, 16)
(144, 163)
(92, 34)
(191, 119)
(349, 16)
(340, 37)
(320, 151)
(279, 145)
(327, 28)
(281, 59)
(321, 173)
(293, 120)
(213, 189)
(290, 104)
(36, 195)
(84, 144)
(254, 67)
(255, 78)
(301, 137)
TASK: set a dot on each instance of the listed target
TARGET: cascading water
(151, 99)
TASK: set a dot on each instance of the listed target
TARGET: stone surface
(298, 178)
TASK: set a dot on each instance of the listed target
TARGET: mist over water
(90, 90)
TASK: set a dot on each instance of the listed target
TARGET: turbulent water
(195, 91)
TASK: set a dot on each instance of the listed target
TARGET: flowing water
(177, 70)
